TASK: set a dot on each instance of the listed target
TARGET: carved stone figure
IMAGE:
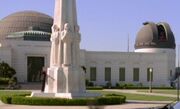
(66, 36)
(54, 45)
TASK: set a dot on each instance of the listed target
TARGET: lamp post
(150, 80)
(178, 88)
(178, 77)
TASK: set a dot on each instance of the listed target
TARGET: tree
(10, 72)
(6, 71)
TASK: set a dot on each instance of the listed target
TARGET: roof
(153, 35)
(24, 21)
(30, 35)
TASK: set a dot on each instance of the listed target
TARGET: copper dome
(154, 35)
(23, 21)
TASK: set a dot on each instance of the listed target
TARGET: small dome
(154, 35)
(24, 21)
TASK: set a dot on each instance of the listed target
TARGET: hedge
(134, 87)
(4, 81)
(104, 100)
(6, 99)
(111, 99)
(48, 101)
(94, 88)
(137, 86)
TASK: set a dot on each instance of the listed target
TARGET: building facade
(25, 45)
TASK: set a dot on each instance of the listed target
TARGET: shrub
(91, 84)
(50, 101)
(111, 100)
(108, 85)
(88, 83)
(13, 83)
(137, 86)
(7, 94)
(12, 80)
(6, 70)
(140, 84)
(4, 81)
(104, 100)
(121, 85)
(6, 99)
(123, 98)
(130, 85)
(6, 73)
(95, 88)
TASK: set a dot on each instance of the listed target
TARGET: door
(35, 65)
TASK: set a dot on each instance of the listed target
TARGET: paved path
(141, 93)
(37, 86)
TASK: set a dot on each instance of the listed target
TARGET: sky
(106, 24)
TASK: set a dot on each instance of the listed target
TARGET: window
(93, 74)
(170, 73)
(121, 74)
(107, 74)
(136, 74)
(149, 74)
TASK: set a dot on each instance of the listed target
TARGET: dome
(23, 21)
(154, 35)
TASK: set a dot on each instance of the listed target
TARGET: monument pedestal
(65, 95)
(60, 84)
(55, 80)
(66, 79)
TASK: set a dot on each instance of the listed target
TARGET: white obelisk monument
(65, 78)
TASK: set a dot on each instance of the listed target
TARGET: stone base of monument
(65, 95)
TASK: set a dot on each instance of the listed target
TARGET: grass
(3, 86)
(138, 96)
(128, 96)
(12, 92)
(164, 91)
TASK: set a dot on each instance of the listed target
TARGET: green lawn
(3, 86)
(161, 91)
(137, 96)
(12, 92)
(129, 96)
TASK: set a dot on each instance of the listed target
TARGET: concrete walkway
(141, 93)
(37, 86)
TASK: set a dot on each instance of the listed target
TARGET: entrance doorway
(34, 68)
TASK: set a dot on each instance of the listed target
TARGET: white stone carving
(66, 78)
(67, 38)
(54, 46)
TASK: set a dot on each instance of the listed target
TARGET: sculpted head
(55, 28)
(66, 26)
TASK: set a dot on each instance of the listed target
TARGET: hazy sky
(105, 24)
